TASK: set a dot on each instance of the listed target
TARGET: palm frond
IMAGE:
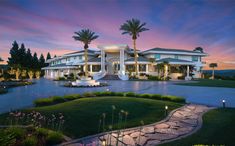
(85, 36)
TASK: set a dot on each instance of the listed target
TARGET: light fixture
(107, 89)
(103, 142)
(166, 107)
(223, 101)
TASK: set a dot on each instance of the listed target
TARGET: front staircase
(110, 77)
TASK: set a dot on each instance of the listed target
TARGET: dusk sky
(48, 25)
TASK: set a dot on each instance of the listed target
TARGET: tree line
(22, 64)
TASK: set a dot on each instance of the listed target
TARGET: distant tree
(48, 56)
(86, 36)
(22, 56)
(1, 60)
(200, 49)
(42, 61)
(14, 54)
(35, 62)
(133, 27)
(55, 56)
(28, 59)
(213, 66)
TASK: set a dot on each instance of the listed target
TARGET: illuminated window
(157, 56)
(194, 58)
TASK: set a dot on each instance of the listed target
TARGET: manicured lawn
(218, 129)
(211, 83)
(82, 115)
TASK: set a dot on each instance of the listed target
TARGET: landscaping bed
(29, 136)
(82, 116)
(60, 99)
(217, 129)
(3, 90)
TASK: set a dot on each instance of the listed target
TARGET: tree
(213, 65)
(133, 27)
(1, 60)
(166, 66)
(29, 58)
(35, 62)
(42, 61)
(160, 68)
(48, 56)
(85, 36)
(200, 49)
(22, 56)
(14, 54)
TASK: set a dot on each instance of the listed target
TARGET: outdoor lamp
(223, 101)
(107, 89)
(166, 110)
(103, 142)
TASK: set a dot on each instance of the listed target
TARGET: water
(21, 97)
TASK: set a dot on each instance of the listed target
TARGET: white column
(188, 71)
(102, 60)
(147, 68)
(122, 65)
(91, 68)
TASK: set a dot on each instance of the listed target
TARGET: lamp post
(166, 110)
(223, 101)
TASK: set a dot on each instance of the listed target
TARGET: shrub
(29, 141)
(71, 97)
(58, 99)
(54, 138)
(145, 95)
(130, 94)
(155, 78)
(43, 101)
(156, 96)
(41, 132)
(17, 132)
(173, 98)
(88, 94)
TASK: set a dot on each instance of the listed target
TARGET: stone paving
(180, 123)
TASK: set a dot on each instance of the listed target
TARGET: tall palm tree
(85, 36)
(133, 27)
(213, 65)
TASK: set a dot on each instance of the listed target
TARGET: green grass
(82, 115)
(218, 129)
(211, 83)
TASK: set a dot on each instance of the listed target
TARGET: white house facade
(118, 60)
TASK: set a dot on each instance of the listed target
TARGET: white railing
(122, 76)
(99, 75)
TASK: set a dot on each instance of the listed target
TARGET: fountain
(85, 82)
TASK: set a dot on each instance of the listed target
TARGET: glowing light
(166, 107)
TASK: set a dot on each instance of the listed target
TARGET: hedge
(59, 99)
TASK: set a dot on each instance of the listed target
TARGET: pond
(21, 97)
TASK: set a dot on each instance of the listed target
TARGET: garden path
(179, 123)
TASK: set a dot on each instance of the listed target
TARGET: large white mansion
(119, 60)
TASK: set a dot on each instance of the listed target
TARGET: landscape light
(166, 110)
(107, 89)
(223, 101)
(103, 142)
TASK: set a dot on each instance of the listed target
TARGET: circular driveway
(21, 97)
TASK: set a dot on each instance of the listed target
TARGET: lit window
(194, 58)
(176, 56)
(157, 56)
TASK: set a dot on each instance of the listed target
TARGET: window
(176, 56)
(157, 56)
(96, 68)
(194, 58)
(142, 67)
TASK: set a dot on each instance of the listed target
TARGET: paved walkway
(180, 123)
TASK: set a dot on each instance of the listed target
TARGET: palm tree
(213, 65)
(85, 36)
(133, 27)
